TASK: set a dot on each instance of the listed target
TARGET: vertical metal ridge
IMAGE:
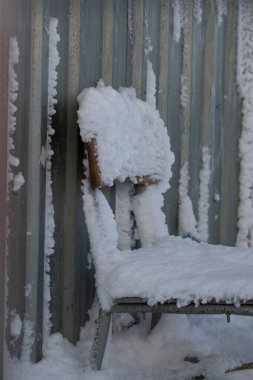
(138, 46)
(196, 115)
(71, 183)
(59, 10)
(107, 53)
(174, 122)
(120, 42)
(217, 128)
(230, 157)
(186, 82)
(164, 59)
(4, 30)
(36, 177)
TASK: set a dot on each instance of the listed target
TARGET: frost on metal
(147, 40)
(203, 206)
(151, 85)
(221, 10)
(188, 224)
(184, 97)
(245, 84)
(16, 325)
(178, 18)
(13, 162)
(197, 11)
(28, 340)
(49, 211)
(130, 21)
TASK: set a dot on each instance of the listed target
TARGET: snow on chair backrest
(125, 136)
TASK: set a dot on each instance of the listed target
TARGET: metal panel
(36, 172)
(174, 122)
(3, 166)
(18, 201)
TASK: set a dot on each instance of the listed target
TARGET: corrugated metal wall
(109, 39)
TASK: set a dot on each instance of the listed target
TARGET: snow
(151, 85)
(221, 10)
(54, 60)
(136, 353)
(28, 339)
(123, 215)
(148, 215)
(203, 203)
(18, 179)
(198, 11)
(147, 40)
(178, 18)
(184, 270)
(187, 223)
(130, 22)
(245, 83)
(184, 97)
(15, 325)
(145, 148)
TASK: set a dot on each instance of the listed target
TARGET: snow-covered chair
(127, 144)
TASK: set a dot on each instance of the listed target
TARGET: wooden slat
(95, 176)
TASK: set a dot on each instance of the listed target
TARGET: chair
(128, 150)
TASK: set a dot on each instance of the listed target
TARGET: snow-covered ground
(135, 353)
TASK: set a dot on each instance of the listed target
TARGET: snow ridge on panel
(245, 84)
(54, 60)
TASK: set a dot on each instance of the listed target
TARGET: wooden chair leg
(99, 343)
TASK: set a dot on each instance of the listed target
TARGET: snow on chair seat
(127, 141)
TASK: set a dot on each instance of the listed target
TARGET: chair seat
(183, 270)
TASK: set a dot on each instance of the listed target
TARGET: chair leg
(99, 343)
(155, 319)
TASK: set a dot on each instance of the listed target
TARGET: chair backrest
(126, 141)
(125, 136)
